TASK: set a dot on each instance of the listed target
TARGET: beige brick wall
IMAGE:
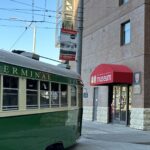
(101, 44)
(101, 41)
(140, 118)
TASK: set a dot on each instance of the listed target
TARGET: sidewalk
(114, 133)
(98, 136)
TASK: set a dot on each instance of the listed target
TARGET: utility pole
(80, 32)
(34, 39)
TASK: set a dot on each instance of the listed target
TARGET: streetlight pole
(80, 32)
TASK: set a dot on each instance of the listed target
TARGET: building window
(10, 92)
(44, 94)
(32, 93)
(73, 96)
(125, 33)
(54, 95)
(121, 2)
(64, 95)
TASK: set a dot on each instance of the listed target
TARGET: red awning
(109, 73)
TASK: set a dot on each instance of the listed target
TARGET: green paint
(36, 132)
(33, 74)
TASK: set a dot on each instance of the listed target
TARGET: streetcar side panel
(38, 108)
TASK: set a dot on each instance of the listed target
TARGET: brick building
(115, 62)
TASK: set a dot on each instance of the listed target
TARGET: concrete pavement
(98, 136)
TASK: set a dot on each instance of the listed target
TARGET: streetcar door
(95, 103)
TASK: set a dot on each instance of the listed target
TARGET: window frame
(62, 104)
(125, 33)
(32, 93)
(9, 88)
(45, 90)
(32, 90)
(123, 2)
(76, 95)
(58, 92)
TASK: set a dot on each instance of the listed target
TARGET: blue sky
(15, 17)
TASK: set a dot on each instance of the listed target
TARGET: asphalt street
(97, 136)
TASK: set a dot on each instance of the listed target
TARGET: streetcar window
(73, 96)
(64, 95)
(44, 94)
(32, 93)
(54, 94)
(32, 84)
(10, 92)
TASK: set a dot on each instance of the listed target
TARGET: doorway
(95, 104)
(121, 104)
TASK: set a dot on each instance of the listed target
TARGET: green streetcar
(40, 104)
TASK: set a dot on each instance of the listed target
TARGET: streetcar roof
(22, 61)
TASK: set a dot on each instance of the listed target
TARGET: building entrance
(121, 104)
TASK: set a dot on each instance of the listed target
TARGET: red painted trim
(69, 31)
(67, 57)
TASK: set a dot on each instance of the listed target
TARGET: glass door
(119, 104)
(130, 104)
(123, 103)
(116, 103)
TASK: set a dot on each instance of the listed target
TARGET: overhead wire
(31, 5)
(45, 9)
(42, 10)
(33, 14)
(27, 11)
(23, 12)
(32, 10)
(38, 10)
(24, 20)
(39, 27)
(20, 36)
(18, 9)
(27, 4)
